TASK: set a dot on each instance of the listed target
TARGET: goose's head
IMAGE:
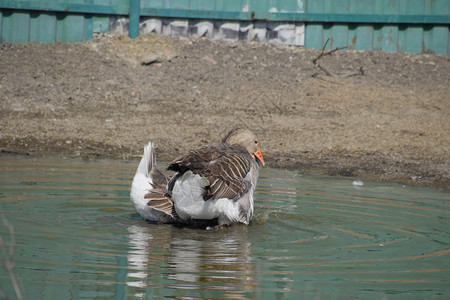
(247, 140)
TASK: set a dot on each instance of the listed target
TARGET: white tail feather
(142, 183)
(148, 160)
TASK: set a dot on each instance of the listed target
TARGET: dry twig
(326, 71)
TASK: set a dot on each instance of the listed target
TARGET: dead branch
(326, 71)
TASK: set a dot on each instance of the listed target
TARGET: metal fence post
(135, 10)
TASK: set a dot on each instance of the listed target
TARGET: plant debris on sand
(108, 97)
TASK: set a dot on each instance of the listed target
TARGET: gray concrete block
(299, 39)
(229, 31)
(202, 29)
(260, 32)
(246, 32)
(285, 34)
(179, 28)
(119, 25)
(151, 25)
(166, 28)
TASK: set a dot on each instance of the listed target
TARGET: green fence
(390, 25)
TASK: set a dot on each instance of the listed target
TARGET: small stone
(357, 183)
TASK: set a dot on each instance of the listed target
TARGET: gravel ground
(108, 97)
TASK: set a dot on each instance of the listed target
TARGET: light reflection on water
(77, 236)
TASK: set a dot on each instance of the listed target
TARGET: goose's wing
(224, 166)
(158, 200)
(157, 195)
(158, 178)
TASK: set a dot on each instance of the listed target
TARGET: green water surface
(76, 236)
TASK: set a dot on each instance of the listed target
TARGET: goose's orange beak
(259, 156)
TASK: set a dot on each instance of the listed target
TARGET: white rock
(357, 183)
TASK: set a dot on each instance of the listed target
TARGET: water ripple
(77, 236)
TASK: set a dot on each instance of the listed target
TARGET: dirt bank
(110, 96)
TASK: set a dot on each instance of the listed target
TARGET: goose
(213, 182)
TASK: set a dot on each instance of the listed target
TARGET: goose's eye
(256, 142)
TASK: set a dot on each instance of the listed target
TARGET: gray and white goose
(216, 181)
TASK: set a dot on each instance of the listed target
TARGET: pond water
(76, 236)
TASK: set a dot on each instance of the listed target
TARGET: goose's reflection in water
(192, 259)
